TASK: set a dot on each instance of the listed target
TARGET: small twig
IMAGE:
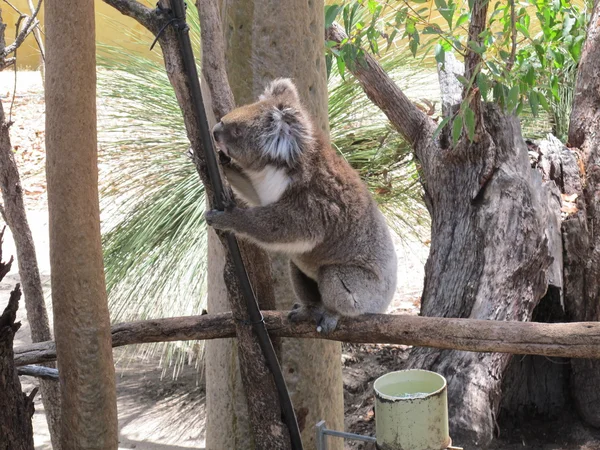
(12, 102)
(513, 51)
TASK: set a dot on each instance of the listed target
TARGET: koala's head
(274, 130)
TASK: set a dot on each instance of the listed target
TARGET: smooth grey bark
(266, 424)
(266, 41)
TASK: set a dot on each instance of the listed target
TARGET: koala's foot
(328, 322)
(301, 313)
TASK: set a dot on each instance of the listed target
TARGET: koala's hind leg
(307, 292)
(351, 291)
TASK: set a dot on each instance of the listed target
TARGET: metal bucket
(411, 411)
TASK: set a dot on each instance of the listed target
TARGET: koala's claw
(213, 216)
(300, 313)
(327, 323)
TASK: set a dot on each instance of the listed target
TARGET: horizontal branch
(46, 373)
(569, 340)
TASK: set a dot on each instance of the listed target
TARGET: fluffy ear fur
(281, 87)
(287, 135)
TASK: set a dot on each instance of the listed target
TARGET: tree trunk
(495, 232)
(16, 408)
(580, 230)
(262, 31)
(81, 319)
(16, 218)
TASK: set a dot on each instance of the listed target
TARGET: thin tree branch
(145, 16)
(403, 113)
(28, 27)
(568, 340)
(411, 122)
(513, 36)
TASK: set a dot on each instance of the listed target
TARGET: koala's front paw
(216, 219)
(300, 313)
(327, 323)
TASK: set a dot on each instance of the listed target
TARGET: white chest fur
(269, 183)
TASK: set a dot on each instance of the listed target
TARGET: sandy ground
(155, 411)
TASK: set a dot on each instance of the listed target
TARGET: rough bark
(561, 340)
(16, 218)
(81, 319)
(582, 239)
(264, 42)
(16, 408)
(494, 237)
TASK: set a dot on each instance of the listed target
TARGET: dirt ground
(159, 412)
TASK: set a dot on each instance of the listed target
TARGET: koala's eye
(235, 131)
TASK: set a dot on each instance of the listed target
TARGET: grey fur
(307, 202)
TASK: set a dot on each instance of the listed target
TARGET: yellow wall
(111, 28)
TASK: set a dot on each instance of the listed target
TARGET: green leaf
(440, 127)
(432, 29)
(513, 97)
(462, 19)
(456, 130)
(341, 65)
(483, 85)
(331, 12)
(462, 80)
(534, 103)
(440, 54)
(413, 45)
(520, 27)
(568, 25)
(543, 101)
(470, 123)
(328, 63)
(530, 76)
(479, 49)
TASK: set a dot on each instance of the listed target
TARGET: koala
(305, 201)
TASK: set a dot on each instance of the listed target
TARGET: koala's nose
(217, 131)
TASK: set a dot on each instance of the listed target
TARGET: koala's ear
(287, 134)
(281, 87)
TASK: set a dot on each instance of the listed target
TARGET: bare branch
(30, 24)
(568, 340)
(411, 122)
(141, 13)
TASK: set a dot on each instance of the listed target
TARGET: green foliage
(529, 49)
(153, 201)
